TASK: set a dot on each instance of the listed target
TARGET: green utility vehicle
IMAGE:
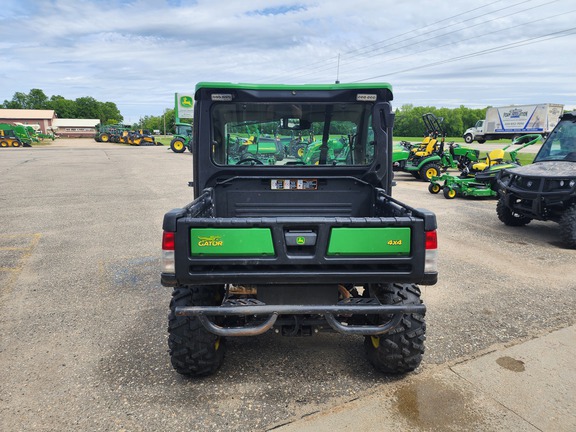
(181, 139)
(546, 189)
(295, 248)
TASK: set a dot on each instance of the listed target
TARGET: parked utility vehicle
(279, 245)
(546, 189)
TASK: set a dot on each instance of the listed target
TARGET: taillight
(168, 262)
(168, 240)
(431, 257)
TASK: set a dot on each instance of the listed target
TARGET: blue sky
(137, 54)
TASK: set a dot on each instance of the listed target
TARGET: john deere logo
(300, 240)
(186, 101)
(210, 241)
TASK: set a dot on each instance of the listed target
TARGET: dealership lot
(83, 315)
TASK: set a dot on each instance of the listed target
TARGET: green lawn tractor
(479, 179)
(431, 158)
(182, 138)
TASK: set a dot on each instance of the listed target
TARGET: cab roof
(248, 86)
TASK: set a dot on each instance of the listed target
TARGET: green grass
(163, 139)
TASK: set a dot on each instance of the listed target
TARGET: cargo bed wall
(270, 197)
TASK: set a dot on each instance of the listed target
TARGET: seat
(428, 149)
(494, 157)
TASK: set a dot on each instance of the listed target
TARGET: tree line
(83, 107)
(408, 122)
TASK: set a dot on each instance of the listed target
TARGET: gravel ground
(83, 316)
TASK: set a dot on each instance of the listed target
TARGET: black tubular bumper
(348, 306)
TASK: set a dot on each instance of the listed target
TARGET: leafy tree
(109, 113)
(157, 122)
(64, 108)
(37, 99)
(87, 107)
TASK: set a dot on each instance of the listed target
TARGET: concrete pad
(509, 389)
(536, 379)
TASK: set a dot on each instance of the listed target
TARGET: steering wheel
(250, 159)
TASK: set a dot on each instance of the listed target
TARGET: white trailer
(513, 121)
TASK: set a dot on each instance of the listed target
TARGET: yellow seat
(422, 145)
(428, 149)
(494, 157)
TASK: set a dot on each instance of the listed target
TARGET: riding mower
(430, 159)
(479, 179)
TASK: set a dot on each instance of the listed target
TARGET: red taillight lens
(431, 240)
(168, 240)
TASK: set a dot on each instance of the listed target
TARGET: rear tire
(177, 145)
(568, 226)
(508, 216)
(400, 350)
(194, 351)
(429, 170)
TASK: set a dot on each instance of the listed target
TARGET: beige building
(44, 118)
(49, 123)
(75, 128)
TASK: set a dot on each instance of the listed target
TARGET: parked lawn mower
(430, 158)
(479, 179)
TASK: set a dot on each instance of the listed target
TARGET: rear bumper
(348, 306)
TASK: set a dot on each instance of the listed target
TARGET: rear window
(284, 134)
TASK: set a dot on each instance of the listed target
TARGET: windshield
(292, 134)
(561, 144)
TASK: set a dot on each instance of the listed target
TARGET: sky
(138, 53)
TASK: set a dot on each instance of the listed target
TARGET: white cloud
(138, 53)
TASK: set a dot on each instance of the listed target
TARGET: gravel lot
(83, 316)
